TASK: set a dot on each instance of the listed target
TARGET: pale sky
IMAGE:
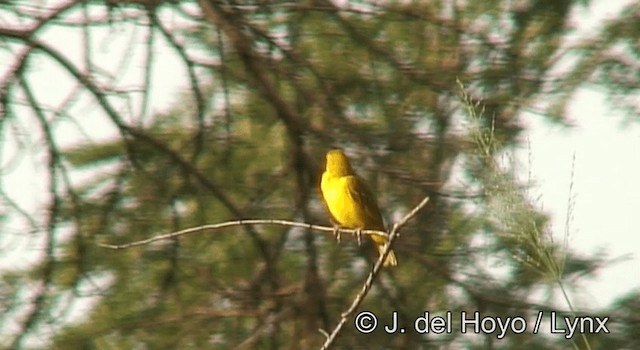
(605, 188)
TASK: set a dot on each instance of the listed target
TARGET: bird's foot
(359, 236)
(336, 233)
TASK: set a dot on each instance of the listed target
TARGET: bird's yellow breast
(344, 209)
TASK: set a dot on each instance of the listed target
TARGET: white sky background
(606, 187)
(605, 182)
(606, 190)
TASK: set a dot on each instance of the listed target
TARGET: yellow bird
(350, 202)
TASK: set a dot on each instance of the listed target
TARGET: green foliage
(281, 84)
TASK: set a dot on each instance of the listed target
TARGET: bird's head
(338, 163)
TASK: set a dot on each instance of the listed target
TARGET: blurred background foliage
(273, 85)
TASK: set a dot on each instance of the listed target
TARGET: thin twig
(228, 224)
(372, 275)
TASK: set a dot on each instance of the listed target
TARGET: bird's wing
(361, 194)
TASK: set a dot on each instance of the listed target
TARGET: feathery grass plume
(520, 225)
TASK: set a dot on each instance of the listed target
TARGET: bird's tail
(391, 257)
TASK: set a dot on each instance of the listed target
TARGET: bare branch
(395, 231)
(246, 222)
(43, 289)
(193, 76)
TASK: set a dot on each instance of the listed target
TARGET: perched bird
(350, 202)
